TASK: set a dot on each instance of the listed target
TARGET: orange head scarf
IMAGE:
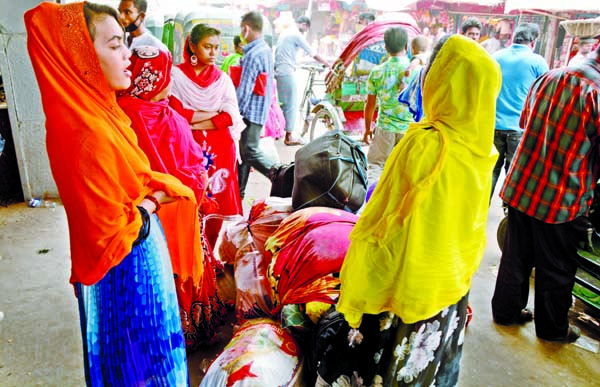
(100, 172)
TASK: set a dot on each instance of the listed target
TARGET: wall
(24, 103)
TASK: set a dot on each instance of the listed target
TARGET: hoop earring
(194, 60)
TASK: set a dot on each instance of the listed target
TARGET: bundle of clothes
(287, 278)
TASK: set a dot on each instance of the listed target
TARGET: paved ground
(40, 342)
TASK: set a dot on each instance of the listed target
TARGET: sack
(330, 171)
(282, 181)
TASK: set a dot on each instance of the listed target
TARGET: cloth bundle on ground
(242, 245)
(260, 354)
(304, 265)
(253, 295)
(265, 217)
(234, 240)
(330, 171)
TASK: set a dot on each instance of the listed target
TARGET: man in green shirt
(233, 59)
(383, 87)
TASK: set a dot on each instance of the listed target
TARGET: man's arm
(370, 105)
(322, 60)
(309, 51)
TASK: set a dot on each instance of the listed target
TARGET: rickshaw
(343, 105)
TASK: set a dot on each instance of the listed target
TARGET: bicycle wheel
(321, 123)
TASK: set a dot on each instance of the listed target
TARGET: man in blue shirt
(254, 96)
(520, 67)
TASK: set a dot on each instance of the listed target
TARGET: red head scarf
(151, 72)
(100, 172)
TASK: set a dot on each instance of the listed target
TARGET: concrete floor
(40, 342)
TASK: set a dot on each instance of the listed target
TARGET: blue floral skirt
(130, 321)
(390, 353)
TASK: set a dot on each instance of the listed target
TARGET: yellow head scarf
(421, 237)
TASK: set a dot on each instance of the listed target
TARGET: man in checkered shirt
(549, 190)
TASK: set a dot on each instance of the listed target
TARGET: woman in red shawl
(164, 135)
(205, 96)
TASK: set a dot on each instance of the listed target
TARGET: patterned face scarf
(150, 72)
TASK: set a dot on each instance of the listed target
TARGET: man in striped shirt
(254, 96)
(549, 190)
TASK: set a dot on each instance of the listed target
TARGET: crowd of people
(150, 158)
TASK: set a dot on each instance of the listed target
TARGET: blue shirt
(520, 68)
(257, 59)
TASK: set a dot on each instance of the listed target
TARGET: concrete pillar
(24, 102)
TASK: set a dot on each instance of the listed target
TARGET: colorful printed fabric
(253, 290)
(265, 217)
(305, 265)
(386, 81)
(391, 353)
(201, 309)
(150, 72)
(129, 321)
(554, 171)
(260, 354)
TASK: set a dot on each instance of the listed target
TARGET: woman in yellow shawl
(413, 252)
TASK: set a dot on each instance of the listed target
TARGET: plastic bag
(235, 241)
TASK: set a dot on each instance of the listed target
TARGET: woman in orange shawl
(121, 267)
(165, 136)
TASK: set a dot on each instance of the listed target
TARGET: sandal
(525, 316)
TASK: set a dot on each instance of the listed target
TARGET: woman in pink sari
(205, 96)
(165, 137)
